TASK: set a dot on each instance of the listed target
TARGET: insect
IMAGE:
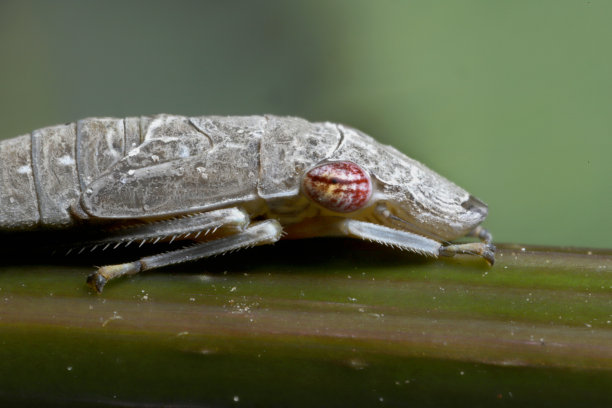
(224, 183)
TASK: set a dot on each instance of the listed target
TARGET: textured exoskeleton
(228, 183)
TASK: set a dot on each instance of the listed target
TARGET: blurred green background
(511, 100)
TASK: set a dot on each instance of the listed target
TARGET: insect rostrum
(206, 178)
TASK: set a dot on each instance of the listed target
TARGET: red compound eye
(339, 186)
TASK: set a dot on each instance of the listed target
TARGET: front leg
(420, 244)
(330, 226)
(346, 227)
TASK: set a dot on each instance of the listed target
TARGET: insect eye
(339, 186)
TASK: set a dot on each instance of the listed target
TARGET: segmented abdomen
(43, 173)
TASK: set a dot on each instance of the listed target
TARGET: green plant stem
(331, 312)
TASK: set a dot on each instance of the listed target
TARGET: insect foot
(98, 279)
(483, 249)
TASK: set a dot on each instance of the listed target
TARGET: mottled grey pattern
(152, 167)
(18, 200)
(55, 173)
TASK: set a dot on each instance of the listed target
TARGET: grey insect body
(206, 179)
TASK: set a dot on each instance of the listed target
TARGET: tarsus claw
(489, 254)
(96, 281)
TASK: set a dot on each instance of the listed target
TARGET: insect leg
(264, 232)
(392, 237)
(482, 234)
(331, 226)
(483, 249)
(174, 228)
(420, 244)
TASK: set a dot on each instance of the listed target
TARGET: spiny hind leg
(183, 227)
(179, 228)
(265, 232)
(230, 239)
